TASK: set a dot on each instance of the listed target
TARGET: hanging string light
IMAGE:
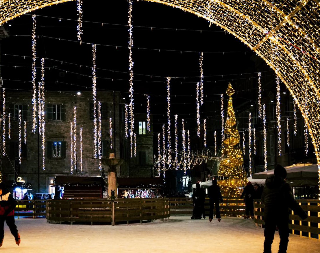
(201, 78)
(244, 142)
(205, 133)
(189, 150)
(81, 149)
(41, 112)
(259, 96)
(215, 143)
(306, 142)
(222, 119)
(249, 145)
(198, 108)
(169, 122)
(25, 132)
(254, 142)
(20, 137)
(9, 126)
(100, 135)
(176, 138)
(278, 114)
(74, 138)
(80, 15)
(183, 144)
(164, 159)
(148, 113)
(126, 115)
(34, 73)
(131, 64)
(111, 133)
(135, 145)
(159, 152)
(71, 148)
(94, 95)
(295, 118)
(264, 137)
(3, 122)
(288, 133)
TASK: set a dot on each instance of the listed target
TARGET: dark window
(105, 148)
(142, 157)
(56, 149)
(56, 112)
(14, 150)
(24, 112)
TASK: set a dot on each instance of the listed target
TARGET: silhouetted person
(248, 199)
(277, 198)
(215, 197)
(198, 202)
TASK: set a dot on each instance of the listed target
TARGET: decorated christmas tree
(231, 173)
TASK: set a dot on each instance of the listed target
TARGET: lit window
(56, 149)
(142, 127)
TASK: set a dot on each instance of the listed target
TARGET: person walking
(277, 199)
(214, 198)
(7, 205)
(198, 202)
(248, 200)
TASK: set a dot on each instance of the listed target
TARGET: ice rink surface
(177, 234)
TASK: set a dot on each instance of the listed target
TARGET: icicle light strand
(176, 138)
(9, 126)
(215, 143)
(135, 145)
(34, 73)
(244, 142)
(249, 145)
(41, 113)
(71, 147)
(99, 136)
(189, 149)
(3, 122)
(198, 108)
(80, 15)
(148, 114)
(254, 142)
(126, 115)
(288, 133)
(259, 96)
(169, 123)
(111, 133)
(20, 136)
(278, 114)
(164, 159)
(159, 152)
(94, 95)
(205, 133)
(222, 119)
(81, 148)
(25, 132)
(264, 137)
(183, 144)
(74, 138)
(201, 78)
(295, 128)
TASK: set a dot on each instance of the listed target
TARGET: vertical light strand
(164, 159)
(135, 145)
(148, 113)
(9, 126)
(222, 119)
(169, 122)
(183, 145)
(259, 96)
(80, 15)
(306, 139)
(295, 128)
(244, 142)
(205, 133)
(34, 73)
(176, 139)
(25, 132)
(254, 141)
(189, 150)
(94, 97)
(20, 136)
(201, 78)
(111, 133)
(126, 115)
(278, 115)
(215, 143)
(74, 135)
(41, 113)
(249, 145)
(81, 148)
(131, 64)
(159, 152)
(71, 147)
(198, 108)
(99, 135)
(265, 154)
(3, 122)
(288, 133)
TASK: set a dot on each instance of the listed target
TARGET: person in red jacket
(7, 205)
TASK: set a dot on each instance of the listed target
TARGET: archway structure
(285, 33)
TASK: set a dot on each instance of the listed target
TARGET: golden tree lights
(249, 145)
(94, 97)
(34, 73)
(222, 120)
(205, 133)
(198, 109)
(148, 113)
(201, 78)
(3, 122)
(265, 154)
(231, 172)
(244, 142)
(20, 136)
(111, 133)
(278, 114)
(169, 123)
(288, 133)
(80, 14)
(259, 96)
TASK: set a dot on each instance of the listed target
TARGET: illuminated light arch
(291, 26)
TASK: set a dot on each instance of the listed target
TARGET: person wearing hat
(277, 198)
(7, 205)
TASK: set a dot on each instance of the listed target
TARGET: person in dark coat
(215, 197)
(7, 205)
(198, 202)
(277, 199)
(248, 199)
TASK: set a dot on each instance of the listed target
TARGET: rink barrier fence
(30, 209)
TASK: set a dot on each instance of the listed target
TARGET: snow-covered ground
(177, 234)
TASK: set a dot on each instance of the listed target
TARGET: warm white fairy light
(111, 133)
(222, 119)
(249, 145)
(201, 78)
(259, 96)
(198, 108)
(205, 133)
(34, 72)
(25, 132)
(176, 138)
(244, 142)
(99, 135)
(41, 112)
(183, 145)
(80, 15)
(169, 122)
(131, 63)
(20, 136)
(81, 148)
(306, 141)
(9, 126)
(71, 148)
(74, 151)
(189, 149)
(126, 115)
(94, 95)
(264, 137)
(135, 145)
(3, 122)
(215, 143)
(148, 113)
(254, 141)
(164, 158)
(278, 114)
(159, 152)
(295, 128)
(288, 133)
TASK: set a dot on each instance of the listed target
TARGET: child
(7, 205)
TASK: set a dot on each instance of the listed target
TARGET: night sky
(167, 42)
